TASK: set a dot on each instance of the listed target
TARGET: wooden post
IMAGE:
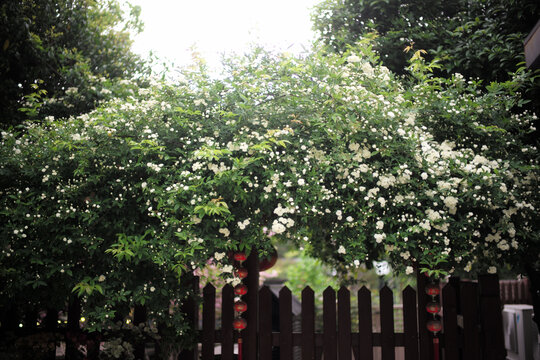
(227, 317)
(308, 324)
(329, 324)
(191, 312)
(491, 318)
(285, 324)
(265, 323)
(449, 303)
(344, 324)
(139, 317)
(469, 310)
(425, 344)
(365, 325)
(249, 335)
(208, 322)
(51, 323)
(73, 328)
(410, 327)
(387, 324)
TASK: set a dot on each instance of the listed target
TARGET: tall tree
(57, 55)
(479, 39)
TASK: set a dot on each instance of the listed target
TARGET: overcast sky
(172, 27)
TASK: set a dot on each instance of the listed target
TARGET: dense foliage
(58, 58)
(479, 39)
(328, 151)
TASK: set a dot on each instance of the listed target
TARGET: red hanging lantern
(434, 326)
(240, 289)
(239, 323)
(240, 306)
(433, 289)
(241, 273)
(240, 256)
(267, 263)
(433, 307)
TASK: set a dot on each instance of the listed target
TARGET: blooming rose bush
(332, 152)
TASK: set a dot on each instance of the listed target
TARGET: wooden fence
(471, 318)
(515, 291)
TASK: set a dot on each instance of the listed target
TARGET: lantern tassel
(239, 348)
(435, 348)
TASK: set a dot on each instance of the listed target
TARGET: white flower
(379, 238)
(451, 203)
(224, 231)
(143, 185)
(368, 69)
(354, 147)
(492, 270)
(219, 256)
(301, 182)
(379, 225)
(278, 227)
(227, 269)
(341, 250)
(382, 201)
(349, 218)
(424, 176)
(152, 289)
(353, 59)
(409, 270)
(101, 278)
(195, 219)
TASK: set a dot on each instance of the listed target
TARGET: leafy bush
(328, 151)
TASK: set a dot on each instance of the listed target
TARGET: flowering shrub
(329, 151)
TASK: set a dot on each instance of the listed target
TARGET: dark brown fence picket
(410, 328)
(425, 347)
(208, 322)
(344, 324)
(190, 309)
(469, 310)
(139, 317)
(365, 325)
(285, 324)
(265, 324)
(73, 327)
(329, 324)
(227, 317)
(491, 318)
(250, 351)
(387, 324)
(449, 302)
(308, 324)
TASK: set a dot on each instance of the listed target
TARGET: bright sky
(215, 27)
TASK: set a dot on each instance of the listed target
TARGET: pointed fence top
(209, 288)
(308, 291)
(343, 291)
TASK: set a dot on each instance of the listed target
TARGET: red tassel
(239, 348)
(435, 348)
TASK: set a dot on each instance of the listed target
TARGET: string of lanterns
(433, 307)
(240, 306)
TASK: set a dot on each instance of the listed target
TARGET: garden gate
(471, 319)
